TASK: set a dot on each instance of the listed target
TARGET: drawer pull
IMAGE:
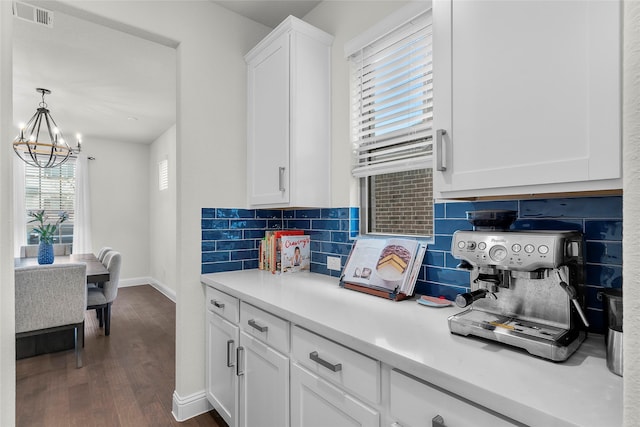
(229, 351)
(438, 421)
(239, 350)
(217, 304)
(254, 325)
(330, 366)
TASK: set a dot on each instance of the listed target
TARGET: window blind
(392, 100)
(51, 189)
(163, 174)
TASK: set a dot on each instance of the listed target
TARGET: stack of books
(285, 251)
(386, 267)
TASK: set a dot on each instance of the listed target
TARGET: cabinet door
(416, 404)
(316, 403)
(528, 93)
(221, 379)
(268, 124)
(264, 384)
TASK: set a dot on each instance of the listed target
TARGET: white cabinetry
(288, 109)
(263, 369)
(328, 391)
(222, 341)
(414, 403)
(316, 403)
(529, 95)
(264, 384)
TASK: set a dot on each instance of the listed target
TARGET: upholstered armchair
(100, 298)
(51, 298)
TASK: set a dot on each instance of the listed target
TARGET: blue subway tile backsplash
(230, 239)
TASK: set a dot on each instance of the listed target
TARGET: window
(392, 110)
(51, 190)
(163, 174)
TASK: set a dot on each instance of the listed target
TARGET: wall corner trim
(190, 406)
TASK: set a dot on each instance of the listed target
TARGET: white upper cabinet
(528, 94)
(288, 117)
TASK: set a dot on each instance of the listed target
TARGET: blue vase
(45, 253)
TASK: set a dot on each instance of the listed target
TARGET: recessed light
(135, 119)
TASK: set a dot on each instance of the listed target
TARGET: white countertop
(416, 339)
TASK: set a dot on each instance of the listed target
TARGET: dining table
(59, 340)
(96, 271)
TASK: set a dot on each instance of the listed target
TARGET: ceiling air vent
(34, 14)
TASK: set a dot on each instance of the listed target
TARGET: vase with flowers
(46, 229)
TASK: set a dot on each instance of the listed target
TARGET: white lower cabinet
(264, 384)
(316, 403)
(221, 381)
(414, 403)
(265, 372)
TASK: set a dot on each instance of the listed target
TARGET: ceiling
(107, 84)
(269, 12)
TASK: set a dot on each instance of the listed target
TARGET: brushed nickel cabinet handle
(254, 325)
(438, 421)
(229, 351)
(239, 352)
(217, 304)
(281, 178)
(330, 366)
(441, 156)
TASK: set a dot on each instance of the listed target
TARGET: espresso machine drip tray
(542, 340)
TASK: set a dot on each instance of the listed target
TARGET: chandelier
(40, 142)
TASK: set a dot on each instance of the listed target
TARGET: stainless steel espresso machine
(526, 286)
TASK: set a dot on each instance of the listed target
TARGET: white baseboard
(161, 287)
(190, 406)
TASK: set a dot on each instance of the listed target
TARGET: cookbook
(387, 264)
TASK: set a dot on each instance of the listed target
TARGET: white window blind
(163, 174)
(392, 100)
(52, 190)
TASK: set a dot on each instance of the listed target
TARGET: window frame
(397, 21)
(60, 237)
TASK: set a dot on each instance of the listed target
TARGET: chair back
(103, 253)
(50, 295)
(112, 261)
(31, 251)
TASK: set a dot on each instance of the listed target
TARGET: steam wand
(571, 291)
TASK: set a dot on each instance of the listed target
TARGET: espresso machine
(526, 286)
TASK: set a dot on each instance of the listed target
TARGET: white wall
(345, 20)
(162, 215)
(119, 185)
(7, 293)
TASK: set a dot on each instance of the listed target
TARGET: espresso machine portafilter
(525, 289)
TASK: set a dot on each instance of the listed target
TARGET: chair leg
(100, 312)
(78, 331)
(107, 320)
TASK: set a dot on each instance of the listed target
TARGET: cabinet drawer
(268, 328)
(223, 304)
(351, 370)
(414, 403)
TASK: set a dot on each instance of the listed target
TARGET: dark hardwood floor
(127, 378)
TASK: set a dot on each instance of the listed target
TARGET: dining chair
(101, 298)
(49, 298)
(103, 253)
(31, 251)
